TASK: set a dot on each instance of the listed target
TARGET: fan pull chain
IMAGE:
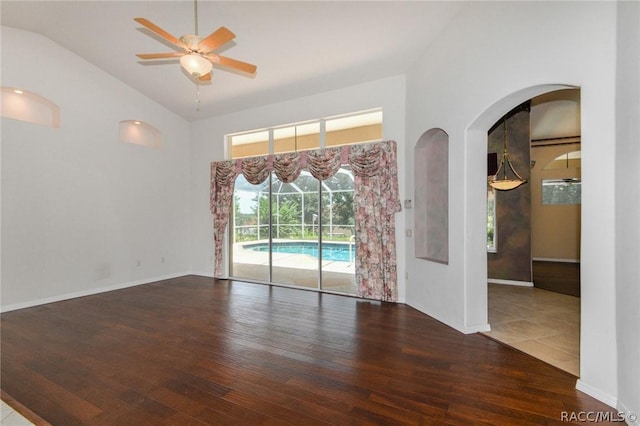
(197, 97)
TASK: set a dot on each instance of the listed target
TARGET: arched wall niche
(431, 196)
(140, 133)
(23, 105)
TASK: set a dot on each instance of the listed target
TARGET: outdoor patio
(300, 270)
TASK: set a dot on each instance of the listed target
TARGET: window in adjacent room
(492, 238)
(566, 189)
(561, 191)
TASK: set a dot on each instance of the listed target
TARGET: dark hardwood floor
(194, 351)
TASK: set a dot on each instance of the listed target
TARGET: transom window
(360, 127)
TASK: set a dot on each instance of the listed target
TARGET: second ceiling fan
(197, 56)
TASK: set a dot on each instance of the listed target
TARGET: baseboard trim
(460, 328)
(73, 295)
(436, 317)
(553, 259)
(633, 419)
(203, 274)
(510, 282)
(596, 393)
(483, 328)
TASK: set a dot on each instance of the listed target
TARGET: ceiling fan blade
(232, 63)
(216, 39)
(159, 31)
(206, 77)
(160, 55)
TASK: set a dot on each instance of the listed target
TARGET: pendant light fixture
(504, 183)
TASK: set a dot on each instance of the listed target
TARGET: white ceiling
(300, 47)
(556, 115)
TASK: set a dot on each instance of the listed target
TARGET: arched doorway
(533, 264)
(476, 293)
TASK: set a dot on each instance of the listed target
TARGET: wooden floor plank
(197, 351)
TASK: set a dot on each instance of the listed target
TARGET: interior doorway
(537, 310)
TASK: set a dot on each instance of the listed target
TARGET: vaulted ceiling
(300, 48)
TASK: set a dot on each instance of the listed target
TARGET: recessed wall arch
(431, 196)
(24, 105)
(140, 133)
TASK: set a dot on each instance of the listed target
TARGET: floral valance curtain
(375, 171)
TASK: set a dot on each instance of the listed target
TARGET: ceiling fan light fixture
(196, 64)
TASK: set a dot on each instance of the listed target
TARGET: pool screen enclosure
(344, 195)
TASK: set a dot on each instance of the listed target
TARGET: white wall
(627, 192)
(208, 146)
(490, 58)
(79, 207)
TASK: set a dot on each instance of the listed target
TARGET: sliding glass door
(249, 231)
(294, 243)
(298, 233)
(338, 240)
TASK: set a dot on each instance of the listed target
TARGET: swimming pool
(330, 251)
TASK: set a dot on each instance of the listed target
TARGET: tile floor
(541, 323)
(10, 417)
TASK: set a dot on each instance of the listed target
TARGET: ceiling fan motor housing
(192, 42)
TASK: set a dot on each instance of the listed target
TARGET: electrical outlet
(409, 233)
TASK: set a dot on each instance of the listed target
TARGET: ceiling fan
(197, 56)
